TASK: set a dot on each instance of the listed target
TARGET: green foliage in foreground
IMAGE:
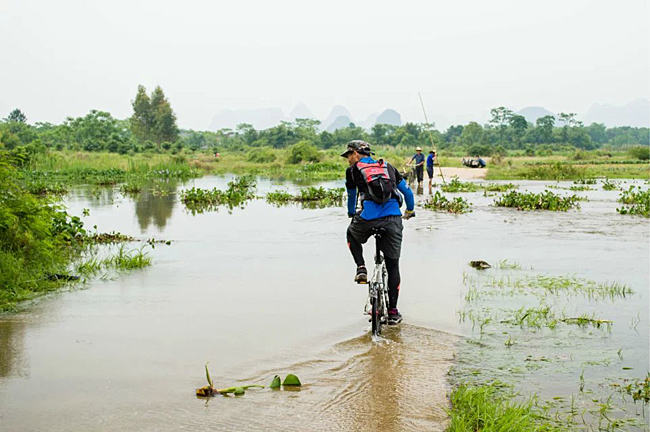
(439, 202)
(546, 200)
(637, 200)
(240, 190)
(487, 409)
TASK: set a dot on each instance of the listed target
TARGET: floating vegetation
(240, 190)
(609, 185)
(43, 188)
(210, 390)
(585, 181)
(439, 202)
(456, 185)
(546, 200)
(131, 188)
(637, 201)
(311, 197)
(580, 188)
(496, 187)
(108, 238)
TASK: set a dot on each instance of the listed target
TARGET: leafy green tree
(153, 117)
(500, 119)
(303, 151)
(597, 132)
(519, 125)
(472, 134)
(16, 116)
(545, 125)
(142, 119)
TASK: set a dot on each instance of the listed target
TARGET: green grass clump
(439, 202)
(240, 190)
(456, 185)
(585, 181)
(486, 408)
(609, 185)
(546, 200)
(637, 201)
(579, 188)
(42, 188)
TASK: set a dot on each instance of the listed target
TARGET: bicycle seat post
(377, 232)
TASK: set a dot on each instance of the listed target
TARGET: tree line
(153, 127)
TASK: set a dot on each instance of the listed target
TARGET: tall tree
(142, 119)
(545, 125)
(16, 116)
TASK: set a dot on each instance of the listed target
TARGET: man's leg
(394, 279)
(357, 234)
(391, 246)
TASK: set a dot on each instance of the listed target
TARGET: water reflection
(12, 348)
(155, 204)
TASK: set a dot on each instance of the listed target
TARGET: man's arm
(352, 192)
(408, 195)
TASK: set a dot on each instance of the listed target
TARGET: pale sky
(64, 58)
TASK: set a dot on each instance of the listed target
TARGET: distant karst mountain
(301, 111)
(390, 117)
(337, 111)
(533, 113)
(340, 122)
(635, 113)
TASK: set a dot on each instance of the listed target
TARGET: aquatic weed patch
(439, 202)
(310, 197)
(546, 200)
(456, 185)
(544, 334)
(609, 185)
(239, 191)
(636, 200)
(499, 187)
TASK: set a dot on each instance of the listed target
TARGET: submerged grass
(439, 202)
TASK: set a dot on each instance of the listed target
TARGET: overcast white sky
(64, 58)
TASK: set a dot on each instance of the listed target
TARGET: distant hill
(390, 117)
(340, 122)
(369, 122)
(533, 113)
(337, 111)
(262, 118)
(301, 111)
(635, 113)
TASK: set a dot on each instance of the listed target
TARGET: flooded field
(268, 290)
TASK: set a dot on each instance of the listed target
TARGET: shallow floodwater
(264, 290)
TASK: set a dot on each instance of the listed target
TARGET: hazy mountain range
(635, 113)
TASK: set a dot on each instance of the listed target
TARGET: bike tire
(376, 317)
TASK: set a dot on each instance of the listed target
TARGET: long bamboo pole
(431, 138)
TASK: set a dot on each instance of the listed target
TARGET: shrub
(640, 152)
(303, 151)
(546, 200)
(440, 203)
(262, 155)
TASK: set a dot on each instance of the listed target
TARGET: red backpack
(378, 178)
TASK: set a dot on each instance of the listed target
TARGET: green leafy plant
(546, 200)
(637, 201)
(439, 202)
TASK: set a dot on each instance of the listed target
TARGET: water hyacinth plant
(546, 200)
(456, 185)
(240, 190)
(310, 197)
(637, 201)
(439, 202)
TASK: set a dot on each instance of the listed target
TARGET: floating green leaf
(207, 374)
(275, 384)
(291, 380)
(239, 391)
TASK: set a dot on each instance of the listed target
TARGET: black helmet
(358, 146)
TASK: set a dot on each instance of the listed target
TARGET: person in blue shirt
(418, 157)
(375, 215)
(430, 163)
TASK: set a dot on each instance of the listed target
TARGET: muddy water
(264, 291)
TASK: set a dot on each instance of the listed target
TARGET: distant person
(431, 159)
(418, 157)
(481, 162)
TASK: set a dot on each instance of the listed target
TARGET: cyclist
(377, 183)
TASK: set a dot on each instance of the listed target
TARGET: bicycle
(377, 304)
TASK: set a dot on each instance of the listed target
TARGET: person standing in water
(418, 157)
(431, 159)
(378, 184)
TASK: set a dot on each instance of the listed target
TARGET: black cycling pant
(390, 244)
